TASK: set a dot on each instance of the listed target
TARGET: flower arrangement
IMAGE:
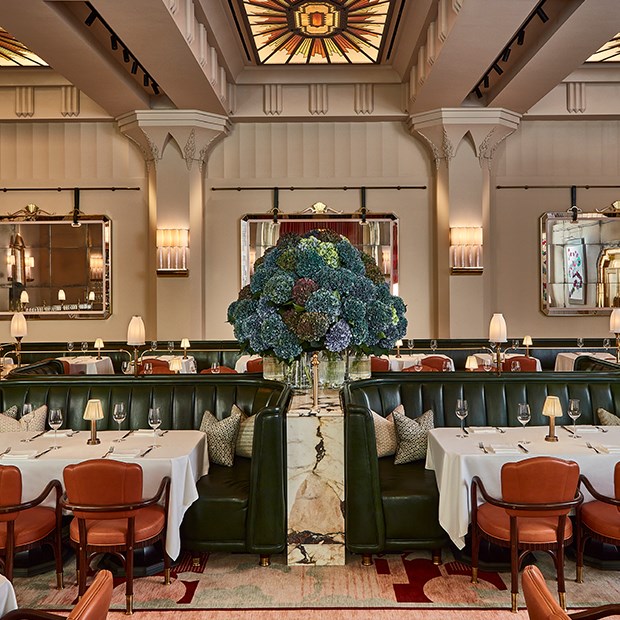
(313, 292)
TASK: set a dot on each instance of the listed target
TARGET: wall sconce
(96, 267)
(614, 328)
(29, 262)
(172, 252)
(466, 250)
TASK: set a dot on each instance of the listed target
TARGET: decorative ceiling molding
(576, 97)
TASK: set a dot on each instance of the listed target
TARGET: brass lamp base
(94, 440)
(551, 438)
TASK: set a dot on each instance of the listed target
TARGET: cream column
(176, 145)
(463, 142)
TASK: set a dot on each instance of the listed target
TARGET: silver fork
(481, 446)
(110, 450)
(589, 445)
(6, 451)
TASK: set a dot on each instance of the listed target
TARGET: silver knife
(465, 431)
(523, 448)
(127, 434)
(34, 436)
(146, 451)
(570, 430)
(36, 456)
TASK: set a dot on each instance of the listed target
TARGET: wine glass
(170, 346)
(446, 366)
(515, 366)
(55, 422)
(515, 344)
(85, 346)
(417, 364)
(580, 342)
(125, 367)
(69, 346)
(118, 415)
(573, 413)
(433, 345)
(606, 344)
(461, 413)
(154, 422)
(215, 368)
(486, 365)
(524, 416)
(148, 368)
(154, 344)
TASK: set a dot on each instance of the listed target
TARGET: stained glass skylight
(13, 53)
(317, 31)
(610, 52)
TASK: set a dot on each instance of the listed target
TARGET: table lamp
(471, 363)
(185, 345)
(527, 343)
(497, 335)
(552, 409)
(91, 296)
(19, 329)
(614, 327)
(24, 298)
(398, 344)
(136, 338)
(93, 412)
(176, 365)
(61, 297)
(98, 346)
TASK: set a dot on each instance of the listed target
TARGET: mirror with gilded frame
(579, 263)
(376, 234)
(52, 267)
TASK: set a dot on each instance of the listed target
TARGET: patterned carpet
(227, 582)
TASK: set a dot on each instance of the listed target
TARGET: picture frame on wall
(576, 274)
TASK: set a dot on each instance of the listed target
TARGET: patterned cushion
(221, 436)
(412, 436)
(245, 439)
(385, 432)
(34, 421)
(606, 418)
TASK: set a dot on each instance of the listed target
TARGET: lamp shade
(135, 332)
(527, 341)
(91, 296)
(94, 410)
(175, 364)
(61, 295)
(497, 328)
(185, 343)
(398, 343)
(471, 363)
(24, 297)
(552, 407)
(614, 321)
(99, 343)
(19, 328)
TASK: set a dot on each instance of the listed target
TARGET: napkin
(503, 448)
(20, 454)
(481, 429)
(127, 453)
(142, 432)
(65, 432)
(609, 449)
(586, 428)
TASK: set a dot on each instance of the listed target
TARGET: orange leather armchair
(222, 370)
(599, 519)
(379, 364)
(110, 515)
(541, 605)
(423, 368)
(159, 367)
(94, 605)
(255, 365)
(434, 361)
(529, 516)
(25, 525)
(527, 364)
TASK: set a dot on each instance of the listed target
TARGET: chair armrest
(597, 612)
(595, 494)
(30, 614)
(51, 485)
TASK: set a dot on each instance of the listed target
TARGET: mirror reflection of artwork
(576, 273)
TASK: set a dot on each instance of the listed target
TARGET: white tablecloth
(566, 361)
(89, 365)
(182, 455)
(456, 461)
(481, 357)
(8, 601)
(405, 361)
(188, 363)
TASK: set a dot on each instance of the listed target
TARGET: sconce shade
(527, 341)
(94, 410)
(614, 321)
(61, 295)
(471, 363)
(24, 297)
(172, 251)
(19, 328)
(552, 407)
(497, 328)
(176, 365)
(466, 249)
(185, 343)
(99, 343)
(91, 296)
(135, 332)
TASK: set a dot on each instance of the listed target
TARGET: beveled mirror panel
(377, 236)
(51, 268)
(580, 263)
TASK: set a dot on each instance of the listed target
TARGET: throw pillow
(245, 439)
(412, 436)
(34, 421)
(385, 432)
(606, 418)
(221, 436)
(8, 423)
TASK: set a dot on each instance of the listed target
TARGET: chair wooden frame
(53, 538)
(555, 549)
(584, 532)
(85, 551)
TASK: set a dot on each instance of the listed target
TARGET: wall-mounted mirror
(51, 268)
(377, 236)
(580, 263)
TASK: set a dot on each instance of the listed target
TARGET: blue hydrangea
(379, 316)
(309, 263)
(338, 337)
(265, 308)
(239, 310)
(278, 288)
(350, 257)
(261, 275)
(364, 289)
(359, 334)
(354, 311)
(287, 347)
(324, 301)
(272, 330)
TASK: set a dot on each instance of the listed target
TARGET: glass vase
(332, 370)
(359, 366)
(273, 368)
(299, 375)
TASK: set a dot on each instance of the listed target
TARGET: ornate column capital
(443, 129)
(194, 131)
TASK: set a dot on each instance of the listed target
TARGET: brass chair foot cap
(60, 581)
(367, 560)
(474, 575)
(513, 598)
(265, 560)
(129, 605)
(437, 558)
(196, 561)
(167, 576)
(562, 596)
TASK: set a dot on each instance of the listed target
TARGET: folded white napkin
(127, 453)
(502, 448)
(481, 429)
(143, 432)
(20, 454)
(65, 432)
(609, 449)
(587, 428)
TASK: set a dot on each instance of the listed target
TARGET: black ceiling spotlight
(541, 13)
(146, 79)
(114, 42)
(497, 69)
(155, 88)
(506, 54)
(134, 67)
(485, 81)
(91, 18)
(478, 92)
(521, 37)
(126, 54)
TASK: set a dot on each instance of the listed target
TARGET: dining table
(565, 361)
(88, 364)
(188, 363)
(8, 602)
(181, 454)
(399, 362)
(489, 359)
(482, 452)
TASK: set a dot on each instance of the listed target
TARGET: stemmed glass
(417, 364)
(524, 416)
(154, 344)
(215, 368)
(573, 413)
(154, 422)
(55, 422)
(515, 366)
(170, 346)
(461, 413)
(433, 345)
(580, 342)
(606, 344)
(446, 366)
(69, 346)
(486, 365)
(118, 415)
(148, 368)
(85, 346)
